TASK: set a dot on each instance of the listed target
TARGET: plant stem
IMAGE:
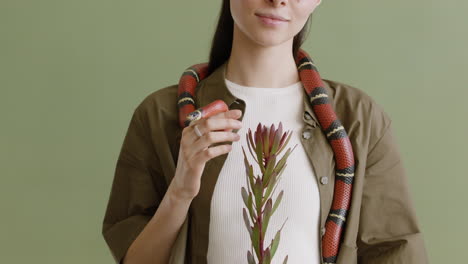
(261, 240)
(259, 213)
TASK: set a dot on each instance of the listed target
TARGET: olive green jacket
(381, 226)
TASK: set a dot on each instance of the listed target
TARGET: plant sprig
(264, 146)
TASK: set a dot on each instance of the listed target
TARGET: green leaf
(250, 258)
(266, 141)
(259, 152)
(258, 193)
(272, 136)
(267, 256)
(285, 143)
(280, 129)
(250, 206)
(251, 177)
(279, 178)
(275, 242)
(267, 215)
(246, 161)
(276, 142)
(283, 160)
(285, 260)
(277, 201)
(255, 239)
(247, 222)
(272, 187)
(271, 184)
(250, 144)
(247, 171)
(245, 196)
(269, 169)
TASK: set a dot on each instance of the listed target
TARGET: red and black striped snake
(332, 128)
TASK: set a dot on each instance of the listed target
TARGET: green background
(71, 73)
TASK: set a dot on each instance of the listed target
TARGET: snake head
(195, 115)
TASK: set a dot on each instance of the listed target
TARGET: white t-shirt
(229, 239)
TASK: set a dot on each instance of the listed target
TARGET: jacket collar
(213, 87)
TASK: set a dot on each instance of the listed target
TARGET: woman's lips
(271, 21)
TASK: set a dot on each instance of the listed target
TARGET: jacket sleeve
(389, 231)
(134, 196)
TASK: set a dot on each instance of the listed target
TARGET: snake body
(334, 131)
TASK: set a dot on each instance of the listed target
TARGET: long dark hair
(222, 40)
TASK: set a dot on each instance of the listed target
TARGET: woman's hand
(195, 151)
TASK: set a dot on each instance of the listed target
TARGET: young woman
(176, 195)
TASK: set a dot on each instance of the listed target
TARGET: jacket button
(322, 231)
(324, 180)
(307, 116)
(306, 134)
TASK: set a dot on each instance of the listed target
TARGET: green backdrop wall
(71, 73)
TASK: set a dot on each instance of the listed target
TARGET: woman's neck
(254, 65)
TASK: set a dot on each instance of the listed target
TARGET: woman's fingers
(225, 121)
(201, 150)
